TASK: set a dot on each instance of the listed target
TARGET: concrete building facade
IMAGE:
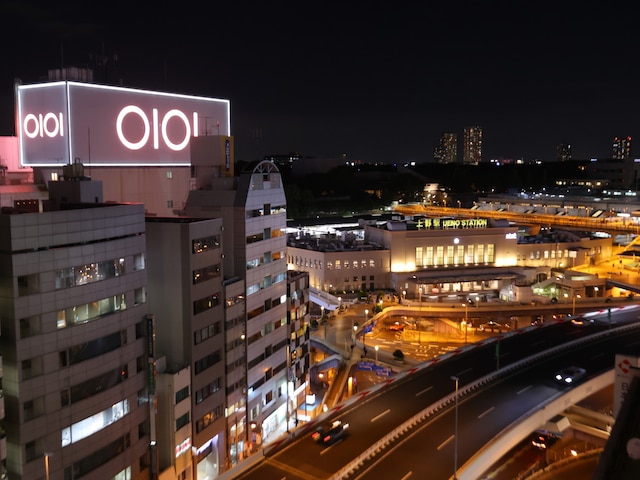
(73, 302)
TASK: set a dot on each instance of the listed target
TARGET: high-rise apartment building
(447, 150)
(563, 153)
(621, 148)
(472, 146)
(253, 209)
(73, 343)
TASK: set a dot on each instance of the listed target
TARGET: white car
(570, 375)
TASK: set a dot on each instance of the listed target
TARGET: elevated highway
(408, 422)
(613, 226)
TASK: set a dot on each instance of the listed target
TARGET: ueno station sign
(64, 122)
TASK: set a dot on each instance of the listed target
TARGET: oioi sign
(111, 126)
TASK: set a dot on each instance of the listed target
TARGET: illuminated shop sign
(183, 447)
(97, 125)
(444, 223)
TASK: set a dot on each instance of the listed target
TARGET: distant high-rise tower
(447, 150)
(472, 145)
(621, 148)
(564, 152)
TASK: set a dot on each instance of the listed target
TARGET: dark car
(581, 321)
(570, 375)
(543, 440)
(492, 325)
(331, 432)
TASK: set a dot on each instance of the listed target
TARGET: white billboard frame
(105, 126)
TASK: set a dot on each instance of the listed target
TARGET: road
(481, 416)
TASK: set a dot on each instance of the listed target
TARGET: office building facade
(73, 302)
(187, 299)
(253, 209)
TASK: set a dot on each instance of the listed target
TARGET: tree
(398, 355)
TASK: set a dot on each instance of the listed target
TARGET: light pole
(377, 348)
(455, 433)
(364, 332)
(573, 310)
(404, 294)
(46, 465)
(420, 292)
(355, 329)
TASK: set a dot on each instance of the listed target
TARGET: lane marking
(486, 412)
(407, 475)
(445, 442)
(423, 391)
(381, 415)
(525, 389)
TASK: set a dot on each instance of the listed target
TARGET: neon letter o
(25, 125)
(165, 121)
(56, 126)
(145, 137)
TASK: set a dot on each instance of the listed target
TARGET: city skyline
(374, 82)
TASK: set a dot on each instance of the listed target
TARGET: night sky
(376, 80)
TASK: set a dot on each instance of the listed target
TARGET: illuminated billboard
(97, 125)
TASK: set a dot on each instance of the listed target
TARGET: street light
(455, 433)
(364, 332)
(377, 348)
(573, 310)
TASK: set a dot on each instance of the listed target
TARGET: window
(91, 311)
(182, 421)
(207, 273)
(29, 326)
(207, 243)
(255, 238)
(206, 303)
(95, 423)
(28, 285)
(428, 261)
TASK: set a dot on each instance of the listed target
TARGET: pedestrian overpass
(324, 299)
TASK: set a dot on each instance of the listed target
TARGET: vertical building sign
(227, 154)
(626, 368)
